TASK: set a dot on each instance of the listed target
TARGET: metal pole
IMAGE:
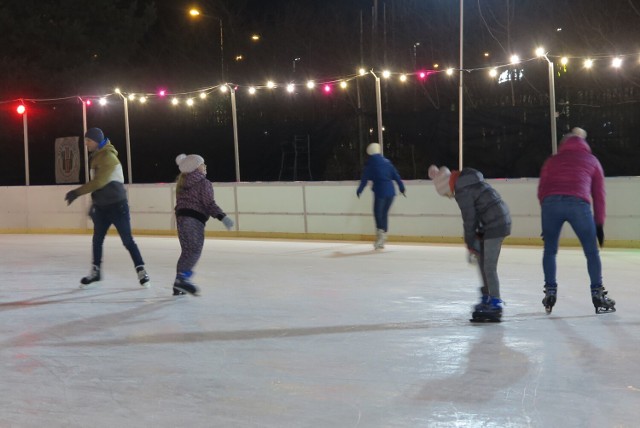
(460, 91)
(127, 139)
(221, 53)
(234, 117)
(379, 112)
(552, 108)
(25, 130)
(84, 131)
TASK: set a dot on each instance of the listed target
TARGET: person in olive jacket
(486, 221)
(109, 205)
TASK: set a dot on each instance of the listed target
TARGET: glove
(358, 194)
(228, 223)
(600, 234)
(70, 197)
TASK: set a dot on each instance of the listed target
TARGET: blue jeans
(381, 206)
(556, 210)
(118, 215)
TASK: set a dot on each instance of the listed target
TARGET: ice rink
(310, 334)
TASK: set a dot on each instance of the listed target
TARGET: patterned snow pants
(191, 237)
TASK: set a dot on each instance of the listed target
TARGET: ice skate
(488, 310)
(550, 296)
(381, 238)
(143, 277)
(184, 285)
(94, 276)
(177, 292)
(601, 302)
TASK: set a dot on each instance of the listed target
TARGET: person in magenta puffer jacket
(194, 205)
(569, 182)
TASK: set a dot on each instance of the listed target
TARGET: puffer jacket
(196, 194)
(107, 178)
(574, 171)
(483, 210)
(382, 173)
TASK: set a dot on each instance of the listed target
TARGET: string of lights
(328, 85)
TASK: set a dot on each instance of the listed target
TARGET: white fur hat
(440, 177)
(189, 163)
(373, 149)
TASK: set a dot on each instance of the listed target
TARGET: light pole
(460, 90)
(540, 52)
(126, 130)
(379, 112)
(22, 110)
(194, 12)
(234, 117)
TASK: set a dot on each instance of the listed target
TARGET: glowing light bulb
(362, 72)
(223, 88)
(102, 101)
(311, 84)
(403, 77)
(540, 52)
(270, 84)
(189, 102)
(588, 63)
(21, 109)
(422, 75)
(515, 59)
(175, 101)
(143, 100)
(132, 97)
(252, 90)
(203, 95)
(327, 88)
(564, 60)
(493, 72)
(116, 90)
(386, 74)
(290, 88)
(617, 62)
(88, 102)
(162, 92)
(343, 85)
(449, 71)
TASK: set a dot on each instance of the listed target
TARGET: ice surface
(310, 334)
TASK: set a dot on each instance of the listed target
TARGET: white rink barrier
(316, 210)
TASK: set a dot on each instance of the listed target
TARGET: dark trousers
(381, 206)
(118, 215)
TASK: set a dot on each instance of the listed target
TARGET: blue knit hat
(96, 135)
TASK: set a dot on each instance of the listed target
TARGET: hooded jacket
(382, 173)
(196, 194)
(107, 178)
(483, 210)
(574, 171)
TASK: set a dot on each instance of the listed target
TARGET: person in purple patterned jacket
(194, 205)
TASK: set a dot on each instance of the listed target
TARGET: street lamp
(195, 13)
(540, 53)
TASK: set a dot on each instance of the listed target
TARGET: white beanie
(189, 163)
(579, 132)
(373, 149)
(440, 177)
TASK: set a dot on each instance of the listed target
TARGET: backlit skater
(486, 221)
(382, 173)
(569, 181)
(194, 205)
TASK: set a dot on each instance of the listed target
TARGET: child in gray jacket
(486, 221)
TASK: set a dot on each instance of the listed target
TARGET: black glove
(600, 234)
(70, 197)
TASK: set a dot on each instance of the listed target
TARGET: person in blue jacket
(382, 173)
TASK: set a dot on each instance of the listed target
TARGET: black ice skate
(550, 297)
(601, 302)
(143, 277)
(177, 292)
(183, 285)
(94, 276)
(488, 310)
